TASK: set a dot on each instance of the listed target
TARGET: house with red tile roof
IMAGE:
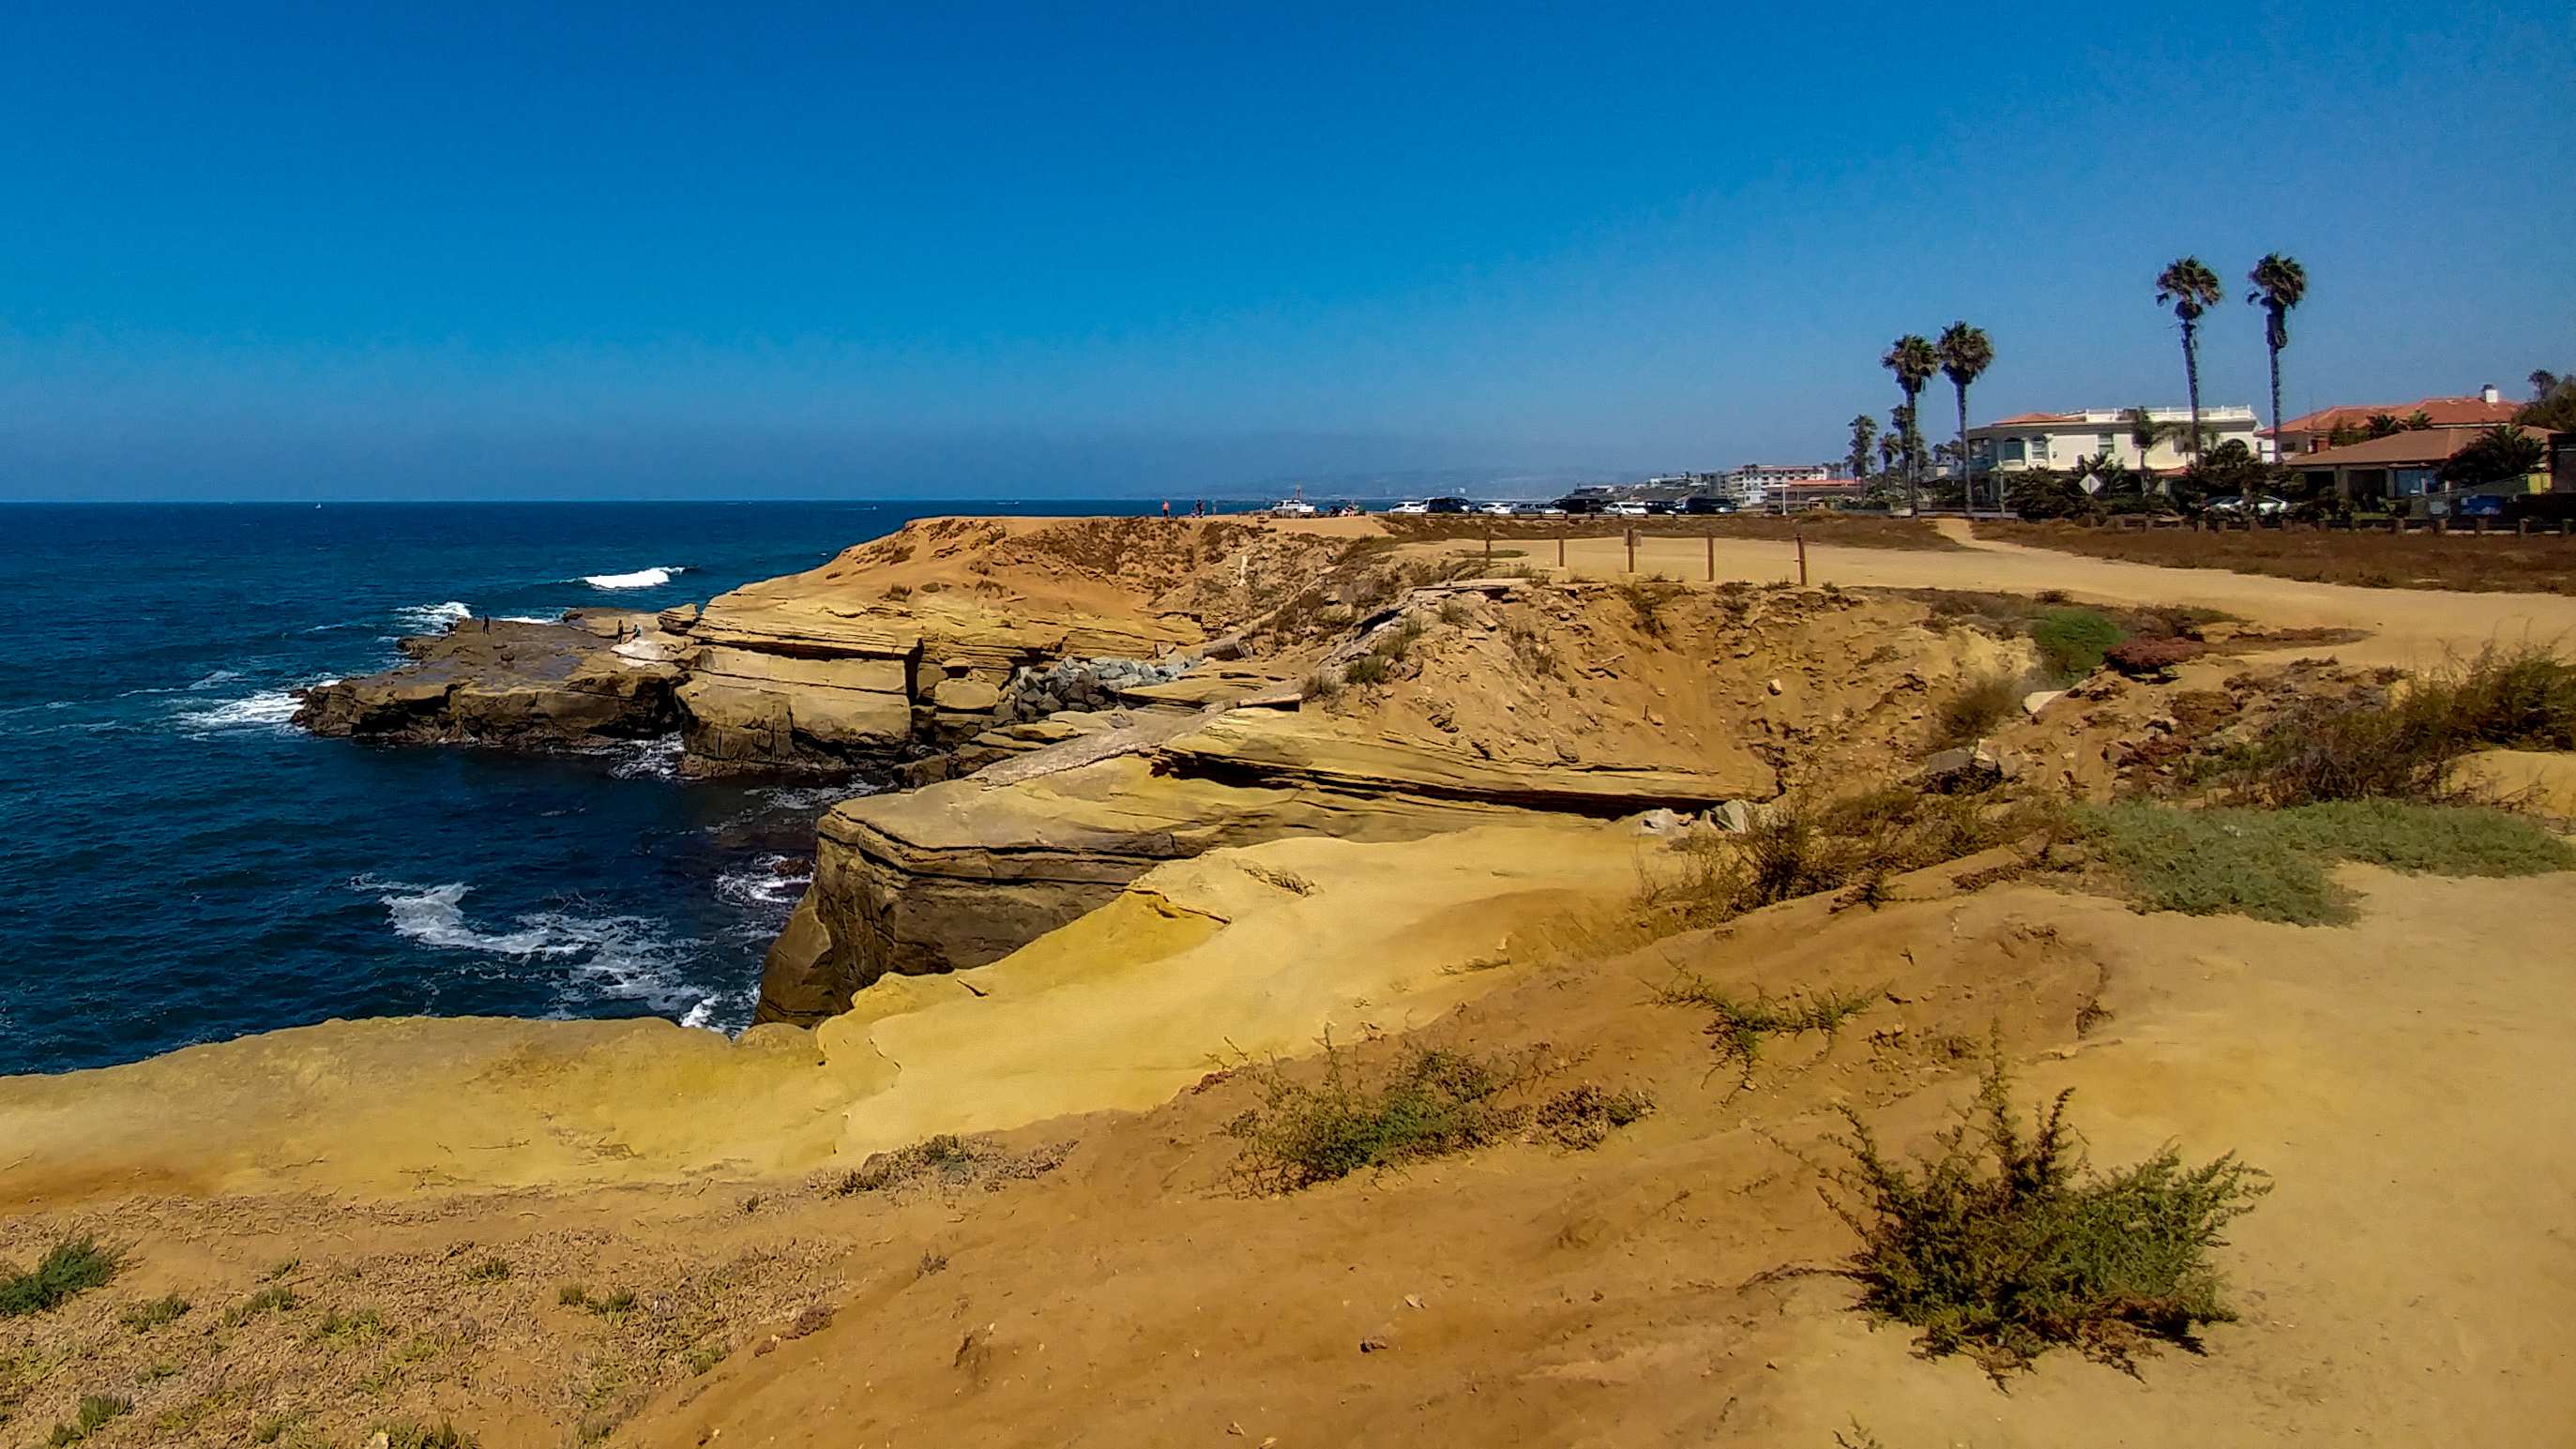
(2400, 466)
(2310, 432)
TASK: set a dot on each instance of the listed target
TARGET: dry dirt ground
(2373, 559)
(428, 1192)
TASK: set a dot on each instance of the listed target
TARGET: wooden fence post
(1560, 550)
(1632, 548)
(1712, 555)
(1489, 540)
(1801, 531)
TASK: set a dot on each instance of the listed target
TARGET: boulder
(965, 696)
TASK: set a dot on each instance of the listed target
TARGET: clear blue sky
(635, 250)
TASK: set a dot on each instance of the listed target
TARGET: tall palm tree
(1913, 361)
(1864, 430)
(2280, 284)
(1966, 352)
(2190, 288)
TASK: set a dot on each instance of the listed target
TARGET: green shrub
(2271, 864)
(489, 1270)
(94, 1413)
(1799, 848)
(339, 1331)
(1430, 1103)
(2071, 642)
(70, 1268)
(2001, 1243)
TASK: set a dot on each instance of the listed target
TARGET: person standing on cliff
(1167, 510)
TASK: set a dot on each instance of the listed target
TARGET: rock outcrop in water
(594, 678)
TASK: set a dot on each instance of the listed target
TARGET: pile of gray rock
(1082, 684)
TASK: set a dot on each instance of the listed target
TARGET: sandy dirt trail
(2407, 627)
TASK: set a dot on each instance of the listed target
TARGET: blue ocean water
(179, 865)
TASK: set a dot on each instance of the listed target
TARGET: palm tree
(1864, 429)
(1966, 352)
(2144, 433)
(2280, 284)
(1913, 361)
(2191, 288)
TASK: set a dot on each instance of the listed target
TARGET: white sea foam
(532, 618)
(432, 618)
(270, 709)
(809, 799)
(762, 884)
(640, 579)
(620, 957)
(220, 676)
(657, 759)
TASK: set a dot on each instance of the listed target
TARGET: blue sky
(648, 250)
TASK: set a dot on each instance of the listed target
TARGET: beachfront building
(2311, 432)
(2400, 466)
(2063, 440)
(1827, 492)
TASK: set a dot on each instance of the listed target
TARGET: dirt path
(2408, 627)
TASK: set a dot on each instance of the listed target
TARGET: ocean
(178, 864)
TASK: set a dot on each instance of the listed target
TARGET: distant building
(2063, 440)
(2401, 465)
(2310, 432)
(1819, 493)
(1772, 475)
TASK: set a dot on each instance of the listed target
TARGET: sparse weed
(337, 1330)
(275, 1299)
(413, 1434)
(1430, 1102)
(144, 1317)
(2072, 641)
(1738, 1025)
(1370, 668)
(1583, 1117)
(1970, 712)
(489, 1270)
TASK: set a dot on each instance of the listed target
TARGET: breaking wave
(654, 759)
(770, 881)
(270, 709)
(621, 957)
(640, 579)
(432, 618)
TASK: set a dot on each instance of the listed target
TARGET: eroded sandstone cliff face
(1486, 701)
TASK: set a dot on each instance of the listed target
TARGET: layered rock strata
(575, 684)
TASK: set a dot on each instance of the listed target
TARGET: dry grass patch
(2370, 560)
(948, 1162)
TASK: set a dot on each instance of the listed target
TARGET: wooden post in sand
(1801, 531)
(1632, 548)
(1712, 555)
(1560, 550)
(1489, 540)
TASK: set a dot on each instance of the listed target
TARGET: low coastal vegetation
(95, 1412)
(1844, 530)
(69, 1268)
(2000, 1243)
(2271, 864)
(947, 1161)
(1798, 846)
(1314, 1127)
(2407, 742)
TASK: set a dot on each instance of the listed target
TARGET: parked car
(2265, 506)
(1704, 503)
(1411, 505)
(1582, 503)
(1448, 505)
(1500, 510)
(1292, 508)
(1627, 508)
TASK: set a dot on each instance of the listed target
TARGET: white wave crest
(220, 676)
(531, 618)
(432, 618)
(656, 759)
(640, 579)
(270, 709)
(619, 957)
(764, 884)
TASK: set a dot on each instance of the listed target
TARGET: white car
(1627, 508)
(1411, 505)
(1500, 510)
(1292, 508)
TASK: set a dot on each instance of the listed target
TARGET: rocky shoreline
(1075, 703)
